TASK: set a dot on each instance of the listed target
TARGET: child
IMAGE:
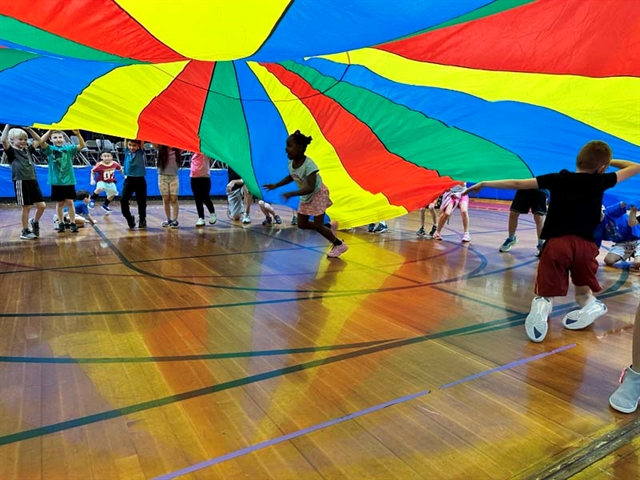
(269, 212)
(434, 219)
(81, 209)
(238, 197)
(625, 399)
(622, 228)
(314, 195)
(573, 215)
(169, 159)
(523, 201)
(105, 169)
(201, 187)
(134, 184)
(61, 176)
(451, 199)
(381, 228)
(25, 181)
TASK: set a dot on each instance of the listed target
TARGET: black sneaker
(35, 226)
(27, 234)
(433, 231)
(60, 228)
(73, 228)
(142, 224)
(131, 222)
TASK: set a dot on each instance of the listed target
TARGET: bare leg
(173, 203)
(166, 205)
(464, 214)
(513, 222)
(583, 295)
(40, 206)
(611, 258)
(539, 219)
(72, 210)
(304, 223)
(422, 213)
(25, 216)
(432, 211)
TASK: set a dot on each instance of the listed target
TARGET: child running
(23, 174)
(314, 195)
(574, 213)
(106, 170)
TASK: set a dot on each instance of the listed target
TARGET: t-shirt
(134, 163)
(80, 207)
(200, 165)
(232, 175)
(21, 161)
(615, 227)
(107, 173)
(171, 167)
(61, 164)
(575, 205)
(300, 175)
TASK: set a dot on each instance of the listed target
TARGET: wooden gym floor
(242, 352)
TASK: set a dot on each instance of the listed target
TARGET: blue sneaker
(508, 243)
(381, 228)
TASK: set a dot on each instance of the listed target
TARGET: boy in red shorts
(573, 215)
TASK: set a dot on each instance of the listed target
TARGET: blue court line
(508, 366)
(329, 423)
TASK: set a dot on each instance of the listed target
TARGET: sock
(337, 242)
(94, 197)
(107, 202)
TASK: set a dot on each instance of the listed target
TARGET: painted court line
(289, 436)
(509, 365)
(351, 416)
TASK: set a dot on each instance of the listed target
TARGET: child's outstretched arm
(308, 187)
(5, 136)
(272, 186)
(81, 143)
(528, 184)
(627, 169)
(37, 139)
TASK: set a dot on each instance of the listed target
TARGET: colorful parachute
(402, 98)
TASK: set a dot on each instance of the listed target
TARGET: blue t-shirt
(614, 227)
(81, 207)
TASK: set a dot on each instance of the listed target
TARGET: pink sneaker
(437, 236)
(337, 250)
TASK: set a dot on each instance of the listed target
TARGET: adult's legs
(513, 222)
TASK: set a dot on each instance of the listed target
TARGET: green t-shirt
(300, 175)
(61, 164)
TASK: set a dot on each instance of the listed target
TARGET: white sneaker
(585, 316)
(466, 238)
(536, 324)
(200, 222)
(213, 218)
(246, 218)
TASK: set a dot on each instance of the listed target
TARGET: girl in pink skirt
(314, 195)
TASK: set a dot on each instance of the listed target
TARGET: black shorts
(534, 200)
(63, 192)
(27, 192)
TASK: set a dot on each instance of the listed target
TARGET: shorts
(452, 198)
(534, 200)
(236, 202)
(27, 192)
(60, 193)
(562, 255)
(626, 250)
(168, 184)
(109, 188)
